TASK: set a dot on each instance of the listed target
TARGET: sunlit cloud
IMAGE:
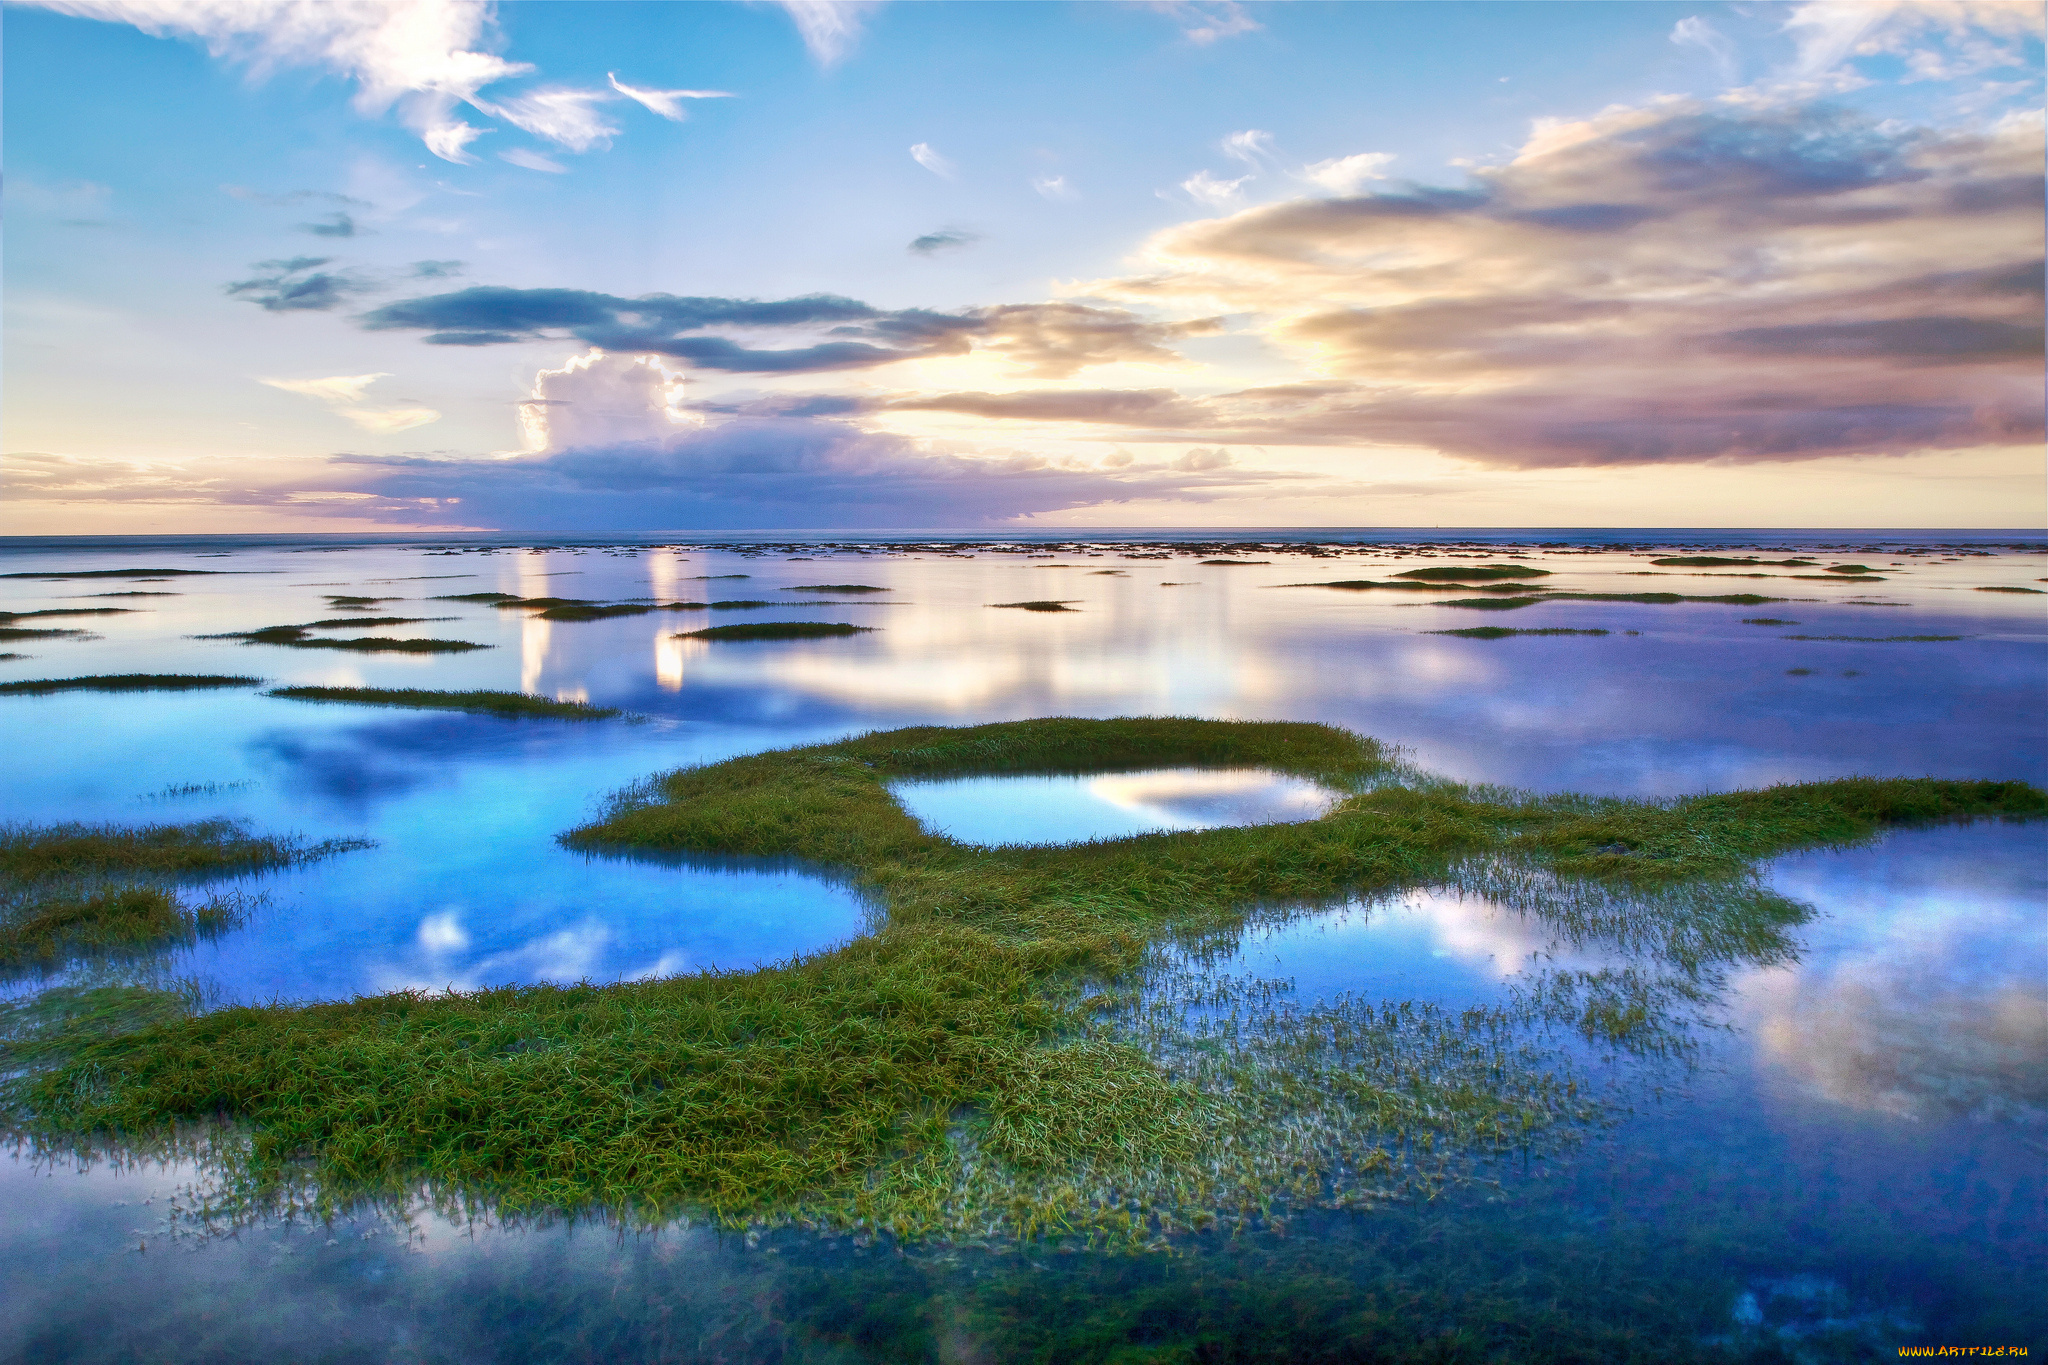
(1348, 174)
(667, 103)
(344, 395)
(926, 156)
(566, 117)
(1204, 188)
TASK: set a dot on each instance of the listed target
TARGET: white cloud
(1694, 31)
(443, 933)
(568, 118)
(1252, 146)
(923, 154)
(1054, 187)
(667, 103)
(1347, 174)
(1205, 23)
(343, 394)
(830, 28)
(532, 161)
(422, 56)
(1829, 32)
(1205, 188)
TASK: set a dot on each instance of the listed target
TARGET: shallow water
(1857, 1150)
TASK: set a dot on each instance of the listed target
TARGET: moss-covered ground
(481, 702)
(1019, 1047)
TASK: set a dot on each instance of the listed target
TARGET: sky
(584, 266)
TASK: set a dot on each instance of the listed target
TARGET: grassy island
(480, 702)
(1004, 1054)
(126, 682)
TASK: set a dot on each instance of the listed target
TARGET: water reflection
(1067, 809)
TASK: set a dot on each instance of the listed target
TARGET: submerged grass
(991, 1060)
(32, 853)
(127, 682)
(775, 630)
(119, 573)
(43, 931)
(490, 703)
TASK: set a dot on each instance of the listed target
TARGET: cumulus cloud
(924, 155)
(424, 57)
(615, 449)
(667, 103)
(1687, 281)
(830, 28)
(942, 240)
(297, 284)
(1348, 174)
(1052, 340)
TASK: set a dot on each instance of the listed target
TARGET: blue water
(1869, 1116)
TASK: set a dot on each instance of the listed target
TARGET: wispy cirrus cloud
(667, 103)
(927, 156)
(344, 395)
(831, 29)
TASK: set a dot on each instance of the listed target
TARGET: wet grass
(1836, 577)
(127, 682)
(1502, 632)
(136, 592)
(487, 703)
(1477, 573)
(9, 617)
(1002, 1055)
(1368, 584)
(1214, 563)
(10, 633)
(296, 637)
(42, 932)
(1653, 599)
(1041, 604)
(775, 630)
(35, 853)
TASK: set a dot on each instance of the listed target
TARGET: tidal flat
(1604, 994)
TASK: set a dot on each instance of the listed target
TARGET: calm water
(1854, 1161)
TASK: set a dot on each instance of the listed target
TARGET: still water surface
(1853, 1160)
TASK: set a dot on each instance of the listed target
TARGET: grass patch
(979, 1063)
(486, 597)
(122, 573)
(46, 931)
(34, 853)
(1502, 632)
(489, 703)
(1478, 573)
(1042, 604)
(9, 617)
(1880, 639)
(835, 587)
(13, 658)
(2035, 591)
(1721, 562)
(1767, 621)
(1209, 563)
(24, 633)
(1836, 578)
(127, 682)
(1367, 584)
(775, 630)
(296, 637)
(136, 592)
(1848, 568)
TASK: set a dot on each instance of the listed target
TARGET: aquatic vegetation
(296, 637)
(835, 587)
(775, 630)
(485, 597)
(12, 658)
(2035, 591)
(1009, 1051)
(135, 592)
(177, 789)
(1848, 568)
(1880, 639)
(31, 853)
(490, 703)
(1722, 562)
(44, 930)
(1837, 578)
(1798, 672)
(344, 600)
(1042, 604)
(1447, 573)
(1502, 632)
(127, 682)
(1366, 584)
(1767, 621)
(118, 573)
(54, 633)
(1212, 563)
(9, 617)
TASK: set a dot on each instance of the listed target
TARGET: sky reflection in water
(1910, 1031)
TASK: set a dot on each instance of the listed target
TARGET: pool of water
(1068, 809)
(1849, 1159)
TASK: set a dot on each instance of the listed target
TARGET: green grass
(492, 703)
(775, 630)
(34, 853)
(1040, 604)
(991, 1059)
(126, 682)
(1502, 632)
(45, 931)
(8, 617)
(1479, 573)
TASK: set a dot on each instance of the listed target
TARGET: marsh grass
(1040, 604)
(2035, 591)
(1832, 577)
(775, 630)
(481, 702)
(1502, 632)
(8, 617)
(835, 587)
(1479, 573)
(1367, 584)
(127, 682)
(11, 633)
(1014, 1049)
(43, 931)
(1722, 562)
(121, 573)
(35, 853)
(296, 637)
(13, 658)
(1767, 621)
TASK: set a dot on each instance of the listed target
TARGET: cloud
(336, 225)
(564, 116)
(424, 57)
(296, 285)
(1205, 23)
(343, 394)
(830, 28)
(1252, 146)
(1694, 31)
(1053, 340)
(923, 154)
(943, 239)
(1937, 39)
(1684, 282)
(292, 198)
(1205, 188)
(1054, 187)
(1347, 174)
(533, 161)
(435, 270)
(667, 103)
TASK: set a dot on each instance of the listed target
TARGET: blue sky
(1171, 264)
